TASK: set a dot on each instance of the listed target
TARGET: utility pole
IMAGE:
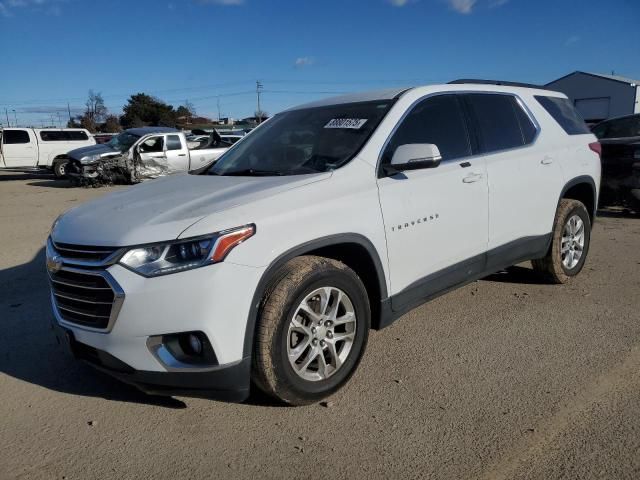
(15, 117)
(69, 110)
(7, 114)
(259, 111)
(218, 102)
(59, 120)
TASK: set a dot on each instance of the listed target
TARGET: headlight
(180, 255)
(90, 159)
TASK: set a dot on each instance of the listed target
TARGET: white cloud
(571, 40)
(303, 62)
(398, 3)
(462, 6)
(48, 6)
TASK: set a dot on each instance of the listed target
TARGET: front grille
(80, 252)
(83, 297)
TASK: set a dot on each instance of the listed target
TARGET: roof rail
(476, 81)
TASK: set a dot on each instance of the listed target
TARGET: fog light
(195, 343)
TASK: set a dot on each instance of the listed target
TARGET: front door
(436, 218)
(19, 148)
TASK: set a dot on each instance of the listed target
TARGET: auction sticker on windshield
(354, 123)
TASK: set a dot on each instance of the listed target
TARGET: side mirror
(414, 156)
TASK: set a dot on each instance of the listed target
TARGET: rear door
(436, 218)
(19, 147)
(177, 153)
(523, 180)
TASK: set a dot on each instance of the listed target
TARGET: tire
(283, 330)
(59, 168)
(559, 266)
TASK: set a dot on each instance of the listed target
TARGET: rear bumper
(228, 383)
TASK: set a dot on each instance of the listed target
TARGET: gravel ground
(505, 378)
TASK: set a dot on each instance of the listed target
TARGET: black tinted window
(173, 142)
(624, 127)
(77, 135)
(438, 120)
(15, 136)
(53, 136)
(563, 112)
(527, 127)
(62, 135)
(498, 126)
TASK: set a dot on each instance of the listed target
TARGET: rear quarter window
(564, 114)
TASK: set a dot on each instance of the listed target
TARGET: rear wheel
(59, 168)
(312, 331)
(569, 244)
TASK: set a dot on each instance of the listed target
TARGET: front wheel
(313, 329)
(569, 244)
(60, 168)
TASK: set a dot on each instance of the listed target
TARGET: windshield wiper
(252, 172)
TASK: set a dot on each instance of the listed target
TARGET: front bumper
(214, 300)
(228, 383)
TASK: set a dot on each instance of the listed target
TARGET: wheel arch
(353, 249)
(582, 188)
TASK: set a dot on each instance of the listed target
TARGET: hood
(99, 149)
(162, 209)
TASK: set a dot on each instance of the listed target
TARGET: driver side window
(152, 145)
(437, 120)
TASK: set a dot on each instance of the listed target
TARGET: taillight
(596, 147)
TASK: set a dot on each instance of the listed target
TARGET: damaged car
(140, 154)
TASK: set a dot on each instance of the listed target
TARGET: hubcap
(572, 245)
(321, 334)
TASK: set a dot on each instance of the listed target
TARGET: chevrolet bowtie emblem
(54, 264)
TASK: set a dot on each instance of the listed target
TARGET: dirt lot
(505, 378)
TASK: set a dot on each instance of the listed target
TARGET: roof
(147, 130)
(615, 78)
(373, 96)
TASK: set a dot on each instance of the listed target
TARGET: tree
(261, 115)
(96, 111)
(88, 123)
(143, 109)
(111, 125)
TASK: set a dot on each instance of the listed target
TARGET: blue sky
(54, 51)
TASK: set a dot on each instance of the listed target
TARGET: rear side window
(624, 127)
(62, 135)
(497, 122)
(438, 120)
(173, 142)
(563, 112)
(12, 137)
(78, 135)
(527, 127)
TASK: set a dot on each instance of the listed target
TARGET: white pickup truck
(142, 153)
(36, 148)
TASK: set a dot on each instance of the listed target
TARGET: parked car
(329, 219)
(231, 139)
(141, 153)
(27, 148)
(620, 139)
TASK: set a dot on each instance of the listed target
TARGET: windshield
(123, 141)
(303, 141)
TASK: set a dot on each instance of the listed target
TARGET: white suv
(328, 220)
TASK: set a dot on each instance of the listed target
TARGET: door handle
(182, 154)
(474, 177)
(546, 161)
